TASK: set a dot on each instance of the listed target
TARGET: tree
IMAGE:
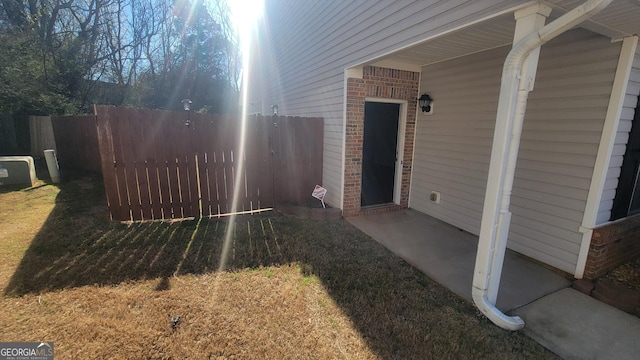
(149, 53)
(194, 63)
(25, 85)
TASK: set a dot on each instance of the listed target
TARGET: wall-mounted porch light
(186, 103)
(274, 107)
(426, 103)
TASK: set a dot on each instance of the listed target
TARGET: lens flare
(245, 15)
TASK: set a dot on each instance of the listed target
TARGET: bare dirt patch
(289, 288)
(621, 287)
(627, 274)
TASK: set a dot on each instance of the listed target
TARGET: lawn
(288, 288)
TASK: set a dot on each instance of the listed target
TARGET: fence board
(126, 158)
(228, 178)
(172, 166)
(41, 134)
(198, 152)
(179, 130)
(222, 165)
(105, 137)
(160, 120)
(183, 165)
(298, 161)
(265, 163)
(147, 154)
(140, 163)
(192, 166)
(120, 172)
(206, 162)
(251, 161)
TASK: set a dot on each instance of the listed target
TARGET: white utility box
(17, 170)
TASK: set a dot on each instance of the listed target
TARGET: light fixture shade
(425, 102)
(186, 103)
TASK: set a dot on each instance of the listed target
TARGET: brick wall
(612, 245)
(379, 83)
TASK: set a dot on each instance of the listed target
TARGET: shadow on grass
(397, 309)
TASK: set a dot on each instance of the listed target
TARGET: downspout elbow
(522, 48)
(512, 323)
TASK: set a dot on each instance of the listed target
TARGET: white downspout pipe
(496, 216)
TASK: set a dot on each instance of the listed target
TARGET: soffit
(621, 18)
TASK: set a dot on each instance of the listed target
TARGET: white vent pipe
(496, 216)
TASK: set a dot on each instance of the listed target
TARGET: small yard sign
(319, 192)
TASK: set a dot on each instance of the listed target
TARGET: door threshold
(379, 208)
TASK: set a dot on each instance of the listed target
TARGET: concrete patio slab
(447, 255)
(576, 326)
(565, 321)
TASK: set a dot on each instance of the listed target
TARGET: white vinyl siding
(620, 145)
(453, 146)
(305, 47)
(562, 128)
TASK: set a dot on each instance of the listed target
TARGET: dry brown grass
(290, 289)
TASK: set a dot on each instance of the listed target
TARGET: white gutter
(496, 217)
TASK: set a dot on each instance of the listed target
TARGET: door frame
(402, 124)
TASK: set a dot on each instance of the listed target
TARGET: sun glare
(245, 15)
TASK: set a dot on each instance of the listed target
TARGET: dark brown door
(379, 152)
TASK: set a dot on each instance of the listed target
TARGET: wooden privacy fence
(76, 142)
(155, 166)
(41, 135)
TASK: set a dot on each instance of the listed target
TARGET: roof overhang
(618, 20)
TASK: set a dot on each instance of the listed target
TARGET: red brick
(617, 295)
(376, 82)
(612, 245)
(584, 286)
